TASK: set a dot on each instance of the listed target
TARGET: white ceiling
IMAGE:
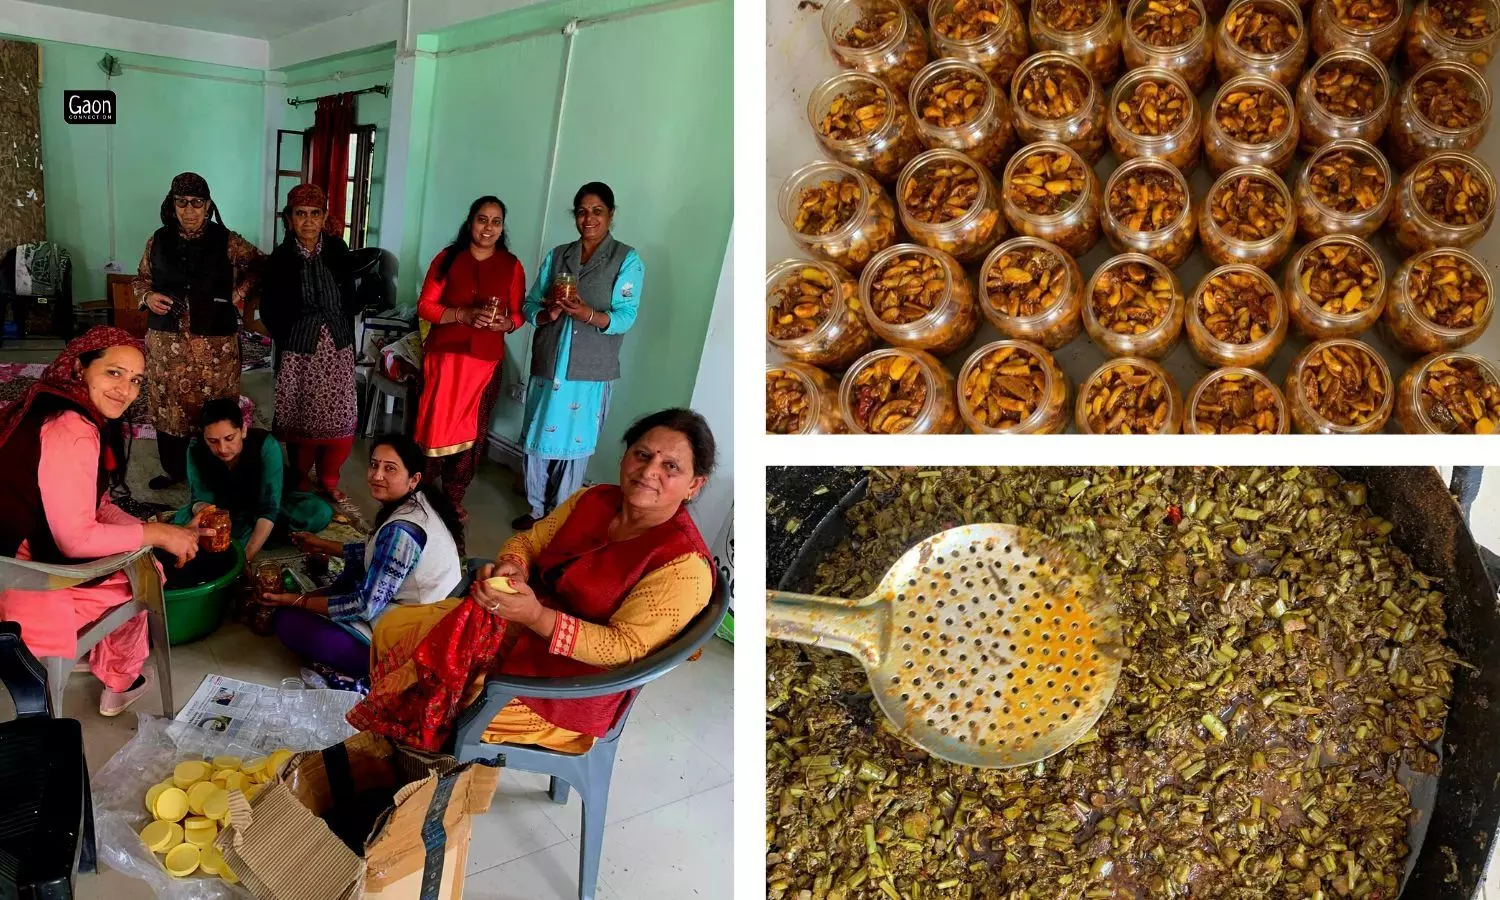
(264, 19)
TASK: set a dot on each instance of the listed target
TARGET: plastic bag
(119, 791)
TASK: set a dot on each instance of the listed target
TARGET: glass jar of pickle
(1346, 187)
(899, 391)
(1262, 37)
(1339, 386)
(1033, 291)
(838, 213)
(950, 203)
(860, 122)
(1250, 123)
(1013, 387)
(564, 288)
(920, 298)
(214, 529)
(1090, 31)
(1172, 34)
(1445, 106)
(1236, 317)
(1235, 400)
(813, 313)
(1449, 393)
(988, 33)
(1464, 30)
(1346, 94)
(1446, 200)
(802, 399)
(1148, 209)
(1374, 26)
(1133, 307)
(957, 106)
(1334, 287)
(1130, 395)
(1154, 113)
(1051, 193)
(1054, 98)
(1438, 300)
(1247, 218)
(881, 37)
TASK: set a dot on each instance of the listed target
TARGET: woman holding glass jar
(472, 298)
(583, 301)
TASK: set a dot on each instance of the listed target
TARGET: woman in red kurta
(472, 297)
(608, 578)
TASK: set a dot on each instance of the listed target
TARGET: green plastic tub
(196, 612)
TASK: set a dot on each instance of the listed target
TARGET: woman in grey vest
(575, 350)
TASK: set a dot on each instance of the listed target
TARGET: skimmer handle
(850, 626)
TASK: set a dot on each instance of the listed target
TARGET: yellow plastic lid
(211, 861)
(278, 759)
(228, 762)
(154, 792)
(216, 804)
(190, 773)
(182, 860)
(234, 781)
(200, 830)
(251, 790)
(197, 794)
(161, 836)
(172, 805)
(252, 766)
(227, 873)
(502, 584)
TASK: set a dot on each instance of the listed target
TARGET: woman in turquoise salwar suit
(575, 350)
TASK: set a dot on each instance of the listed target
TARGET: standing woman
(194, 277)
(472, 297)
(575, 351)
(308, 305)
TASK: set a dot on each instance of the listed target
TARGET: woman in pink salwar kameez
(59, 445)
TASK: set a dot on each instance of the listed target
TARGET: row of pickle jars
(1133, 308)
(949, 201)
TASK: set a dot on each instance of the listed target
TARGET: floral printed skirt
(184, 371)
(315, 396)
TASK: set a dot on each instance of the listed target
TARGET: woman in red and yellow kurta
(609, 577)
(472, 297)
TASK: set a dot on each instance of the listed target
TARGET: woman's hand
(180, 541)
(471, 316)
(505, 568)
(521, 607)
(281, 599)
(160, 304)
(575, 309)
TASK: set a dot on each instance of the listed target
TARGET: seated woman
(240, 471)
(59, 445)
(609, 577)
(410, 561)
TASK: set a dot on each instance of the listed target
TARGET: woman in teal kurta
(575, 351)
(241, 471)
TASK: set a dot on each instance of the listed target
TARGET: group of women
(597, 577)
(196, 277)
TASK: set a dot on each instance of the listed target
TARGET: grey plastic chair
(588, 772)
(146, 590)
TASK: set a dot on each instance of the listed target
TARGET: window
(293, 160)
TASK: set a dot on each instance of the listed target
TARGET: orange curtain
(332, 126)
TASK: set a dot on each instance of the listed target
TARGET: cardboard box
(417, 808)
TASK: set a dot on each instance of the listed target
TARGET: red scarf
(581, 573)
(62, 379)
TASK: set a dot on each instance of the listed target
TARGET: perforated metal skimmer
(987, 645)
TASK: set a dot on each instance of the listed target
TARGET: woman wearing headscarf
(575, 350)
(193, 278)
(472, 296)
(59, 445)
(308, 305)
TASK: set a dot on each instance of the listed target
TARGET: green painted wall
(168, 123)
(330, 77)
(656, 126)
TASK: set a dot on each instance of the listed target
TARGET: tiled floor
(669, 832)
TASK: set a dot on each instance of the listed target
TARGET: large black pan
(1459, 810)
